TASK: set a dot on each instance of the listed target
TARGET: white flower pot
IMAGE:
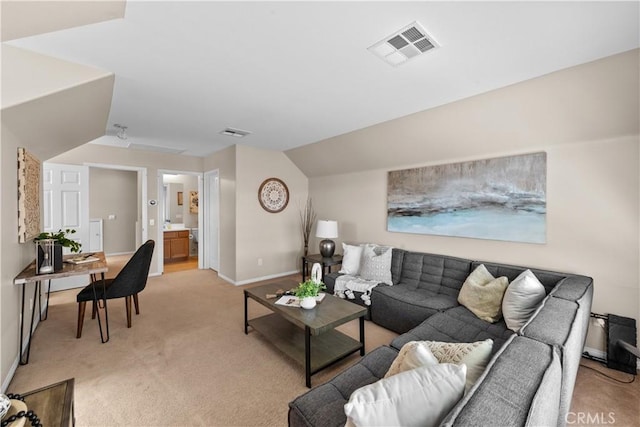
(308, 302)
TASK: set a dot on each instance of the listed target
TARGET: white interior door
(212, 220)
(66, 206)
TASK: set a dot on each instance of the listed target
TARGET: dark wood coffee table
(307, 336)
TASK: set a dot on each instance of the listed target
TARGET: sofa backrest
(519, 387)
(549, 279)
(437, 274)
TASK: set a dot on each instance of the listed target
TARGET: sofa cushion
(399, 309)
(438, 274)
(417, 397)
(456, 325)
(324, 405)
(521, 299)
(482, 294)
(519, 387)
(560, 322)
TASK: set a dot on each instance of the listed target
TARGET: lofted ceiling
(294, 73)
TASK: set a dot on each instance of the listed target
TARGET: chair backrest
(133, 276)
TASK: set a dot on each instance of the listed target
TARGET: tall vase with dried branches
(307, 218)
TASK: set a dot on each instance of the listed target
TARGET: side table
(326, 263)
(53, 404)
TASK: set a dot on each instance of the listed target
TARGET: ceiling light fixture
(236, 133)
(404, 44)
(122, 131)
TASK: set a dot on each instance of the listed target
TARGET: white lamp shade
(327, 229)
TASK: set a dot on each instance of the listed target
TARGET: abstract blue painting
(501, 199)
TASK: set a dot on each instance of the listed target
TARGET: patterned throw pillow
(376, 263)
(475, 355)
(482, 294)
(413, 354)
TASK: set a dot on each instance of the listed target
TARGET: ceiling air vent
(236, 133)
(407, 43)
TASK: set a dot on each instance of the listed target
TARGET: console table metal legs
(37, 298)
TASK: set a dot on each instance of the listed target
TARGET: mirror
(174, 202)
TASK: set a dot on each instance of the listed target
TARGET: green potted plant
(307, 291)
(61, 239)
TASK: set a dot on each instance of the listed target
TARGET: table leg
(307, 355)
(246, 321)
(362, 335)
(46, 310)
(106, 312)
(22, 325)
(24, 361)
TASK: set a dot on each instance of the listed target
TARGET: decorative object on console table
(327, 230)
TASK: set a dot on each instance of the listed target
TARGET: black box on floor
(623, 329)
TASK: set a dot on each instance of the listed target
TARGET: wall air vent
(407, 43)
(236, 133)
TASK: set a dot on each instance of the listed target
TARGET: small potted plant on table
(307, 291)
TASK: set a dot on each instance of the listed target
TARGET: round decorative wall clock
(273, 195)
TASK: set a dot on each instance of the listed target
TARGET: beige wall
(584, 118)
(273, 237)
(245, 227)
(115, 192)
(225, 162)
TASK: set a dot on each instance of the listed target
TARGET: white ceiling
(294, 73)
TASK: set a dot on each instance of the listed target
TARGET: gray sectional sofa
(530, 378)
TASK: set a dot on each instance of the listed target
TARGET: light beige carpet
(187, 362)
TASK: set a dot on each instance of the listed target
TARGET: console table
(326, 263)
(28, 275)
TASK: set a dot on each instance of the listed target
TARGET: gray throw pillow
(376, 264)
(521, 299)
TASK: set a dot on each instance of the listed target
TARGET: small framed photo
(180, 200)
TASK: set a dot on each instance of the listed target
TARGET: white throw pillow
(475, 356)
(418, 397)
(376, 264)
(482, 294)
(351, 256)
(413, 354)
(521, 299)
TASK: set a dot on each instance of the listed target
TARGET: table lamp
(327, 230)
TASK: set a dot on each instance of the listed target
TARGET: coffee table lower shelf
(324, 349)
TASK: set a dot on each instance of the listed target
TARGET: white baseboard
(258, 279)
(14, 366)
(596, 353)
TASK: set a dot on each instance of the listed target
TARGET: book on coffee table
(293, 301)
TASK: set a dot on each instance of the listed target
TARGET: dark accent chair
(128, 283)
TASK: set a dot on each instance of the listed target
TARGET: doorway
(180, 215)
